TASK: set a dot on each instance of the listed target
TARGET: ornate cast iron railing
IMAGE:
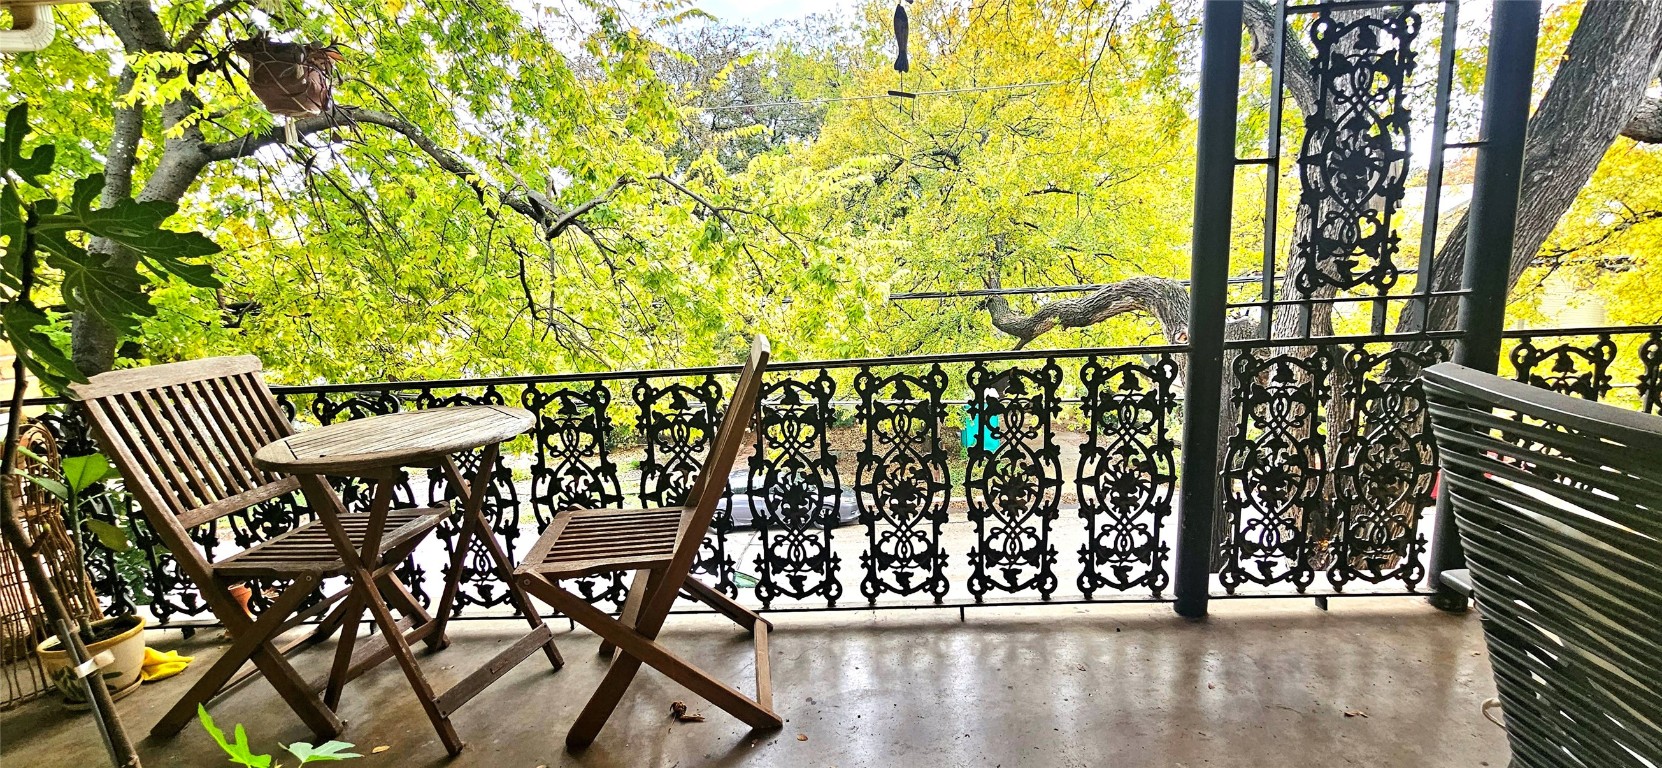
(1621, 365)
(859, 489)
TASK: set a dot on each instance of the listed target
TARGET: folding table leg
(474, 523)
(400, 648)
(400, 599)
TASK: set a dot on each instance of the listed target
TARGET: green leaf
(11, 228)
(86, 194)
(238, 751)
(21, 323)
(82, 471)
(114, 293)
(199, 275)
(138, 226)
(30, 167)
(54, 487)
(325, 752)
(111, 536)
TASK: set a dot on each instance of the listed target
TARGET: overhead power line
(889, 95)
(1243, 280)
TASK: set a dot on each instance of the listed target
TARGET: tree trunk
(1613, 56)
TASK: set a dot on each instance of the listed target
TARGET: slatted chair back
(707, 491)
(1558, 501)
(184, 435)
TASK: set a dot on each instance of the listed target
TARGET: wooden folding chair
(660, 545)
(183, 436)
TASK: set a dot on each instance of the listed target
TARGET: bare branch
(1167, 300)
(194, 35)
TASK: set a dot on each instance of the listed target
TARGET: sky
(757, 12)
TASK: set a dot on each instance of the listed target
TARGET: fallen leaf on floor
(802, 737)
(1355, 713)
(678, 710)
(380, 749)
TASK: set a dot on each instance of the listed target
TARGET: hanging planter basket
(290, 79)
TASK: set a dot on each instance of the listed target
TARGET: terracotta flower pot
(242, 594)
(120, 659)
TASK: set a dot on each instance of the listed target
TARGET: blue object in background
(975, 434)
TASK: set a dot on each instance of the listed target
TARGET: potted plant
(116, 643)
(117, 647)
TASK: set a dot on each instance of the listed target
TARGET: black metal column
(1220, 77)
(1490, 227)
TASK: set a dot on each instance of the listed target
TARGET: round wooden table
(377, 448)
(396, 440)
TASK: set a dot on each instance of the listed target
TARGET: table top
(407, 438)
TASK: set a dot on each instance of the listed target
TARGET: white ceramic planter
(120, 660)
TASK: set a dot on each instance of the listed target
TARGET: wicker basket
(22, 620)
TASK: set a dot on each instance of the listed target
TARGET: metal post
(1220, 79)
(1490, 227)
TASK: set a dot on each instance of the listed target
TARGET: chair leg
(725, 605)
(604, 701)
(639, 648)
(331, 621)
(631, 606)
(252, 641)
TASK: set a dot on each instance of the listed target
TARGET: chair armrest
(1459, 580)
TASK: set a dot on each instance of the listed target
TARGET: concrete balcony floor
(1259, 683)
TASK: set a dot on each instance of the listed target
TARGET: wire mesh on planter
(22, 619)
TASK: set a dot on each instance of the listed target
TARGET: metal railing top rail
(956, 357)
(1330, 341)
(1595, 330)
(710, 370)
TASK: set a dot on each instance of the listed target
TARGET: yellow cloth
(160, 666)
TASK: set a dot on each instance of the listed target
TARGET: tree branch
(716, 210)
(194, 35)
(553, 221)
(1260, 20)
(559, 225)
(1646, 125)
(1167, 300)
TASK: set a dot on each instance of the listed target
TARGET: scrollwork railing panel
(1013, 483)
(1127, 474)
(903, 486)
(1385, 468)
(572, 467)
(795, 492)
(1275, 468)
